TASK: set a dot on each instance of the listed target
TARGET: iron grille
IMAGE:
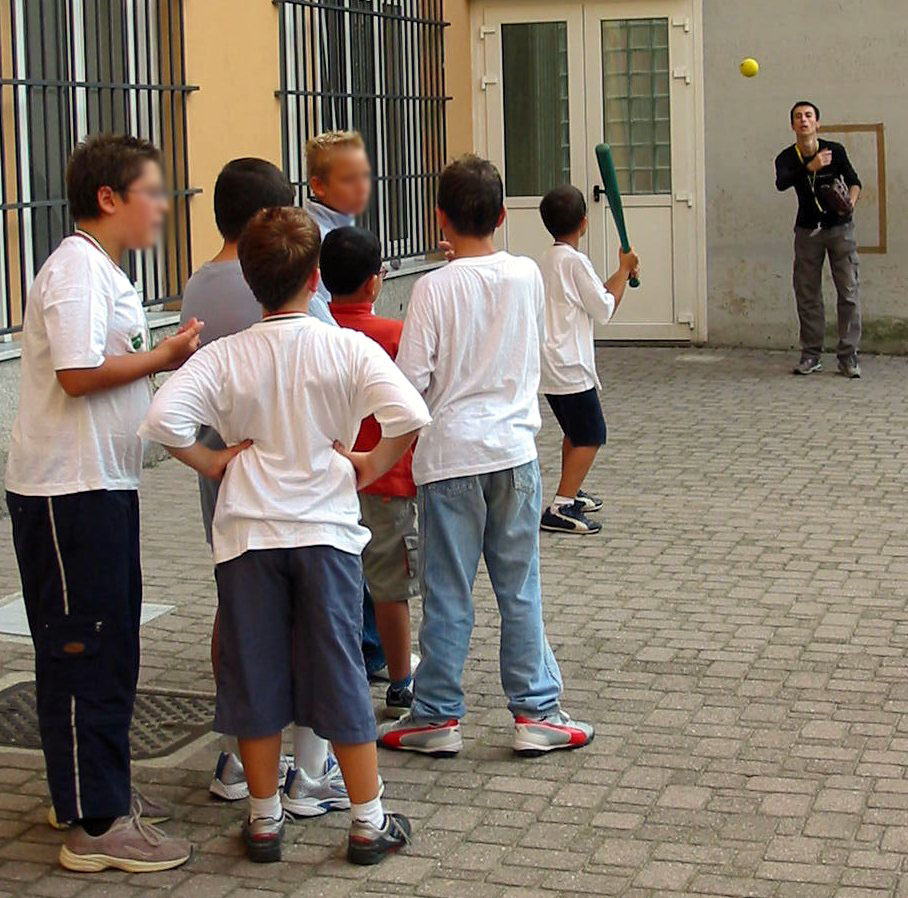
(69, 68)
(377, 67)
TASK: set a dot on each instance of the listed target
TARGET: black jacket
(792, 172)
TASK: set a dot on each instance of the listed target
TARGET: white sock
(370, 812)
(310, 752)
(561, 500)
(265, 807)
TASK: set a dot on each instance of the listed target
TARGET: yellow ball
(749, 67)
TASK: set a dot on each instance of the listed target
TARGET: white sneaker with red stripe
(534, 736)
(441, 740)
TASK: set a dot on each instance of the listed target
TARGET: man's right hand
(821, 160)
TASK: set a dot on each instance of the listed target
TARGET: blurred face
(804, 121)
(348, 184)
(140, 209)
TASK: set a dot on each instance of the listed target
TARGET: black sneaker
(808, 365)
(397, 703)
(367, 845)
(262, 838)
(588, 503)
(849, 367)
(568, 519)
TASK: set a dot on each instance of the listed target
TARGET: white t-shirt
(81, 309)
(575, 301)
(470, 345)
(293, 385)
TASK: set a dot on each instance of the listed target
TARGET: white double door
(559, 78)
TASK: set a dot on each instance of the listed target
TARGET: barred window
(377, 67)
(70, 68)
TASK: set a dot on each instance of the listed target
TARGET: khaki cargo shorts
(390, 559)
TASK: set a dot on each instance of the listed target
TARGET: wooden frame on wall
(880, 248)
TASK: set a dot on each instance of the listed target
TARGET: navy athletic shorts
(580, 416)
(291, 623)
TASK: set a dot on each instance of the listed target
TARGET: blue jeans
(495, 516)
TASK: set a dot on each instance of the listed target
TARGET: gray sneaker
(367, 845)
(534, 736)
(229, 779)
(808, 365)
(305, 797)
(262, 838)
(151, 810)
(849, 367)
(130, 844)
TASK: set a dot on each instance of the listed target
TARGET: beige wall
(852, 66)
(232, 54)
(459, 77)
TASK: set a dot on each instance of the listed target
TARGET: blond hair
(320, 148)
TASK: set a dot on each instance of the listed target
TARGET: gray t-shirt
(218, 295)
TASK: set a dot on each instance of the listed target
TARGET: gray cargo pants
(810, 249)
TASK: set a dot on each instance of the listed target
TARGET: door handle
(598, 193)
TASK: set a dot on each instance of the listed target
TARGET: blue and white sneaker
(589, 503)
(229, 779)
(305, 797)
(568, 519)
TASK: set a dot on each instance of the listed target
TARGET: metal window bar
(377, 67)
(70, 68)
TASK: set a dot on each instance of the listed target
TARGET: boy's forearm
(617, 284)
(386, 453)
(197, 456)
(115, 371)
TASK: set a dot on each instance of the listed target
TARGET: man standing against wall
(827, 188)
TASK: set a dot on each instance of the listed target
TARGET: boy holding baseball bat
(576, 301)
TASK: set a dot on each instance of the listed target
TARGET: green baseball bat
(610, 180)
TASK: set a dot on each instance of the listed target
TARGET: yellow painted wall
(459, 77)
(232, 54)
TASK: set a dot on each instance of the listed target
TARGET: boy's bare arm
(117, 370)
(210, 463)
(371, 465)
(628, 266)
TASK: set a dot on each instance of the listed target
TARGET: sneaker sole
(570, 532)
(301, 811)
(263, 852)
(431, 752)
(231, 792)
(368, 857)
(95, 863)
(805, 373)
(533, 750)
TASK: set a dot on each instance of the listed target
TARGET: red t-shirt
(386, 332)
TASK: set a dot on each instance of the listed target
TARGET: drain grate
(162, 721)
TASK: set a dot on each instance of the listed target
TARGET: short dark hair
(105, 160)
(562, 210)
(471, 194)
(243, 187)
(816, 109)
(278, 252)
(350, 256)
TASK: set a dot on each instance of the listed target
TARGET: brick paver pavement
(737, 635)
